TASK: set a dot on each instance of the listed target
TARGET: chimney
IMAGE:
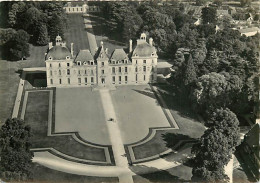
(50, 45)
(151, 41)
(71, 49)
(106, 50)
(101, 44)
(130, 45)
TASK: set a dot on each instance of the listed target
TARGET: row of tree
(42, 21)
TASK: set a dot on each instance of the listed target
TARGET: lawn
(137, 110)
(190, 129)
(43, 174)
(81, 110)
(36, 116)
(76, 33)
(9, 81)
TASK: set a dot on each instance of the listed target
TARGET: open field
(9, 81)
(80, 110)
(137, 110)
(76, 33)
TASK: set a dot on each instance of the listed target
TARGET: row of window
(74, 9)
(79, 72)
(68, 64)
(119, 69)
(79, 80)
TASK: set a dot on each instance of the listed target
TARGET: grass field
(76, 33)
(43, 174)
(80, 110)
(190, 129)
(9, 81)
(36, 116)
(137, 110)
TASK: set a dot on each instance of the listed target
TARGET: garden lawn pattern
(36, 116)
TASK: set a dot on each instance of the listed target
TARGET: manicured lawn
(81, 110)
(190, 129)
(43, 174)
(37, 117)
(137, 110)
(9, 81)
(76, 33)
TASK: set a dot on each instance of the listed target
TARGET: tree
(190, 75)
(245, 2)
(227, 123)
(210, 90)
(42, 37)
(18, 46)
(201, 2)
(56, 27)
(209, 15)
(211, 155)
(16, 156)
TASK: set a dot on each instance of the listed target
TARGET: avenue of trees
(38, 22)
(16, 157)
(214, 72)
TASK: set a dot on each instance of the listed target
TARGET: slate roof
(144, 50)
(84, 55)
(58, 53)
(101, 54)
(118, 54)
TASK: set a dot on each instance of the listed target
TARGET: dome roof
(144, 50)
(58, 53)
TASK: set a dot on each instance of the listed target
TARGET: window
(59, 65)
(78, 63)
(50, 65)
(92, 72)
(79, 72)
(68, 64)
(125, 79)
(152, 61)
(144, 77)
(136, 61)
(119, 69)
(136, 78)
(125, 69)
(85, 71)
(92, 79)
(114, 79)
(68, 80)
(60, 81)
(152, 77)
(79, 80)
(144, 68)
(51, 81)
(68, 72)
(103, 72)
(51, 73)
(113, 70)
(59, 72)
(67, 57)
(103, 63)
(144, 61)
(86, 80)
(152, 69)
(50, 58)
(119, 78)
(92, 63)
(136, 69)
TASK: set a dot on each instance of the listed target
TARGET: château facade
(64, 69)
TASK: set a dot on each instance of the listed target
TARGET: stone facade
(139, 66)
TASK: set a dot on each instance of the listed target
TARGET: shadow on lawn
(101, 27)
(156, 175)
